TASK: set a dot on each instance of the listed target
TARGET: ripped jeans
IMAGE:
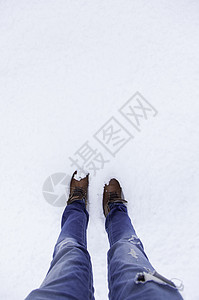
(130, 274)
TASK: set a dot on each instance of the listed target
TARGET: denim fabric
(126, 258)
(70, 274)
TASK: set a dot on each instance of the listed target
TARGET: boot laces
(113, 197)
(77, 192)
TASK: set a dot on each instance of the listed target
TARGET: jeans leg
(70, 273)
(127, 259)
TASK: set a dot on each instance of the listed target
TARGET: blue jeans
(130, 274)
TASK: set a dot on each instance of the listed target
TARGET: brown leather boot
(112, 193)
(78, 189)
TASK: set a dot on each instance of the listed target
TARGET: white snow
(79, 175)
(66, 68)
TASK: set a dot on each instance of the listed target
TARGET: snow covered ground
(66, 68)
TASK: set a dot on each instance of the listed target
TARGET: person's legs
(129, 270)
(70, 274)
